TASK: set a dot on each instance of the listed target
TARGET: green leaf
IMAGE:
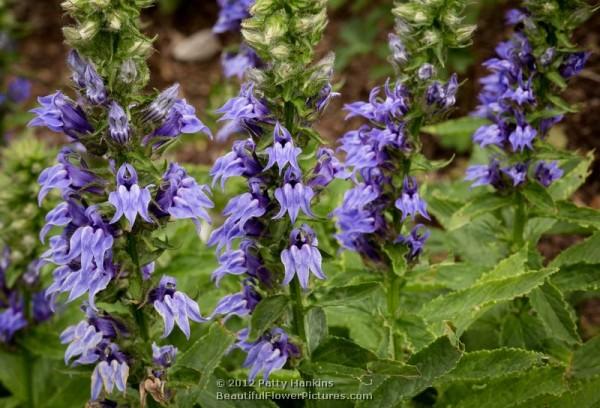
(397, 255)
(586, 360)
(583, 216)
(464, 306)
(344, 295)
(482, 364)
(506, 391)
(456, 133)
(577, 277)
(539, 197)
(342, 351)
(561, 103)
(421, 163)
(582, 395)
(266, 313)
(316, 324)
(12, 374)
(555, 313)
(432, 362)
(584, 252)
(482, 204)
(205, 354)
(557, 79)
(511, 266)
(393, 369)
(563, 188)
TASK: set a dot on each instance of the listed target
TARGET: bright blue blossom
(118, 124)
(293, 197)
(574, 64)
(239, 304)
(244, 112)
(19, 90)
(174, 307)
(241, 161)
(269, 353)
(160, 107)
(129, 199)
(378, 109)
(181, 118)
(60, 114)
(12, 319)
(302, 257)
(283, 151)
(410, 202)
(238, 63)
(327, 169)
(547, 172)
(483, 174)
(414, 241)
(163, 356)
(356, 216)
(231, 14)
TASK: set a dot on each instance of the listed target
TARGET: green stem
(28, 366)
(519, 222)
(300, 329)
(392, 306)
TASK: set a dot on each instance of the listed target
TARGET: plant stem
(392, 306)
(519, 222)
(28, 366)
(300, 329)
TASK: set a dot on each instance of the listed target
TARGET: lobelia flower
(574, 64)
(43, 309)
(241, 161)
(129, 199)
(60, 114)
(182, 197)
(19, 90)
(231, 262)
(283, 151)
(243, 112)
(302, 257)
(78, 66)
(163, 356)
(59, 216)
(546, 173)
(238, 304)
(118, 124)
(522, 137)
(148, 270)
(327, 169)
(12, 319)
(293, 197)
(238, 63)
(174, 306)
(181, 118)
(231, 14)
(326, 94)
(410, 202)
(414, 241)
(94, 86)
(160, 107)
(483, 174)
(517, 172)
(111, 372)
(269, 353)
(355, 217)
(444, 96)
(394, 106)
(489, 135)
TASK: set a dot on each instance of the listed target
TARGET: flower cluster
(378, 155)
(114, 198)
(280, 191)
(515, 98)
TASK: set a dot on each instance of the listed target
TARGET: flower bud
(275, 28)
(128, 71)
(141, 47)
(114, 22)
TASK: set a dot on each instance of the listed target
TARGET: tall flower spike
(129, 199)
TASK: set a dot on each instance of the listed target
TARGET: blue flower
(231, 262)
(118, 124)
(414, 241)
(174, 307)
(483, 174)
(574, 64)
(111, 372)
(444, 96)
(42, 307)
(59, 216)
(410, 202)
(241, 161)
(517, 172)
(182, 197)
(12, 320)
(160, 107)
(328, 167)
(489, 135)
(163, 356)
(302, 257)
(147, 270)
(94, 86)
(83, 339)
(238, 304)
(355, 217)
(283, 151)
(237, 63)
(269, 353)
(244, 112)
(394, 106)
(231, 14)
(60, 114)
(546, 173)
(19, 90)
(326, 94)
(522, 137)
(293, 197)
(181, 118)
(129, 199)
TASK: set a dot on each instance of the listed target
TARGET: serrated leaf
(577, 277)
(586, 359)
(583, 216)
(432, 362)
(555, 313)
(205, 354)
(342, 351)
(421, 163)
(481, 204)
(511, 266)
(464, 306)
(393, 369)
(397, 256)
(456, 133)
(266, 313)
(582, 395)
(482, 364)
(585, 252)
(316, 327)
(539, 197)
(344, 295)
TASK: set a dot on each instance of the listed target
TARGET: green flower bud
(128, 71)
(114, 22)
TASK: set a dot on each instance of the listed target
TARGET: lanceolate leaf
(555, 313)
(582, 216)
(464, 306)
(586, 360)
(585, 252)
(341, 351)
(511, 266)
(577, 277)
(267, 312)
(482, 204)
